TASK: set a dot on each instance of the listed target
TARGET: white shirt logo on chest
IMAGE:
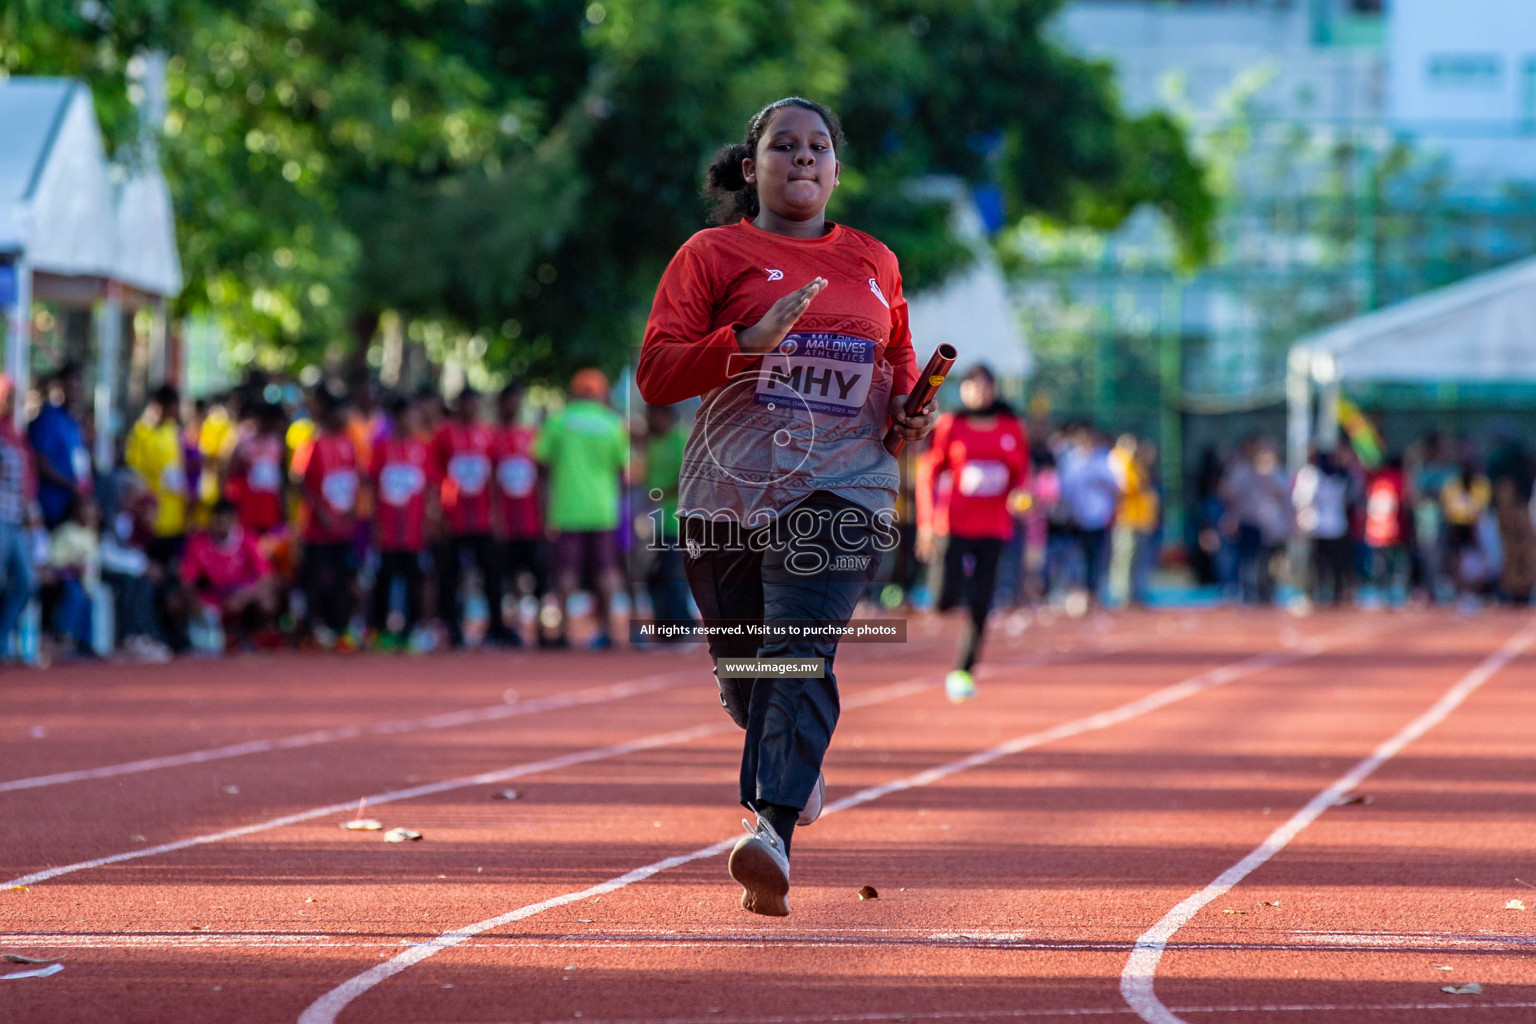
(875, 287)
(775, 275)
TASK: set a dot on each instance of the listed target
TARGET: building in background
(1341, 188)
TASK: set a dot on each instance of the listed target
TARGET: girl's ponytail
(731, 196)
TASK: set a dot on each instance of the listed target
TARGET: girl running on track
(961, 533)
(794, 331)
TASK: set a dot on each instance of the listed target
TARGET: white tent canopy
(972, 311)
(1480, 330)
(63, 208)
(974, 314)
(78, 230)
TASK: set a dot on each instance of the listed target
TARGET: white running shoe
(813, 806)
(759, 863)
(960, 686)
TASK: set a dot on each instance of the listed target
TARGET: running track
(1136, 821)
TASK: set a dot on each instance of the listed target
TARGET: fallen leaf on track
(1444, 967)
(40, 972)
(1515, 905)
(400, 835)
(20, 888)
(230, 790)
(363, 825)
(1270, 903)
(17, 958)
(868, 893)
(506, 794)
(1471, 988)
(1355, 798)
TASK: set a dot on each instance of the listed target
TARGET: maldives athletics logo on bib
(827, 373)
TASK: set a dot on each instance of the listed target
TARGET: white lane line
(905, 1014)
(666, 739)
(1136, 980)
(447, 720)
(806, 938)
(325, 1009)
(894, 691)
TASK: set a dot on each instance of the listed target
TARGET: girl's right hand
(765, 335)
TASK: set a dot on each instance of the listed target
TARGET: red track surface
(1013, 886)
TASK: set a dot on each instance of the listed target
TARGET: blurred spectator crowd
(337, 518)
(1434, 524)
(350, 517)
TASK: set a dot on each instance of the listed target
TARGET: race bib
(339, 488)
(984, 479)
(400, 482)
(470, 472)
(80, 462)
(516, 476)
(264, 476)
(826, 373)
(173, 480)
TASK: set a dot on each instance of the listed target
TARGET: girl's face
(795, 169)
(977, 392)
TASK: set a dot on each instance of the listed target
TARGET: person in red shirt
(403, 479)
(462, 453)
(329, 487)
(254, 479)
(1388, 525)
(794, 333)
(517, 511)
(978, 457)
(225, 572)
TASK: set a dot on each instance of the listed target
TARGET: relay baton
(933, 375)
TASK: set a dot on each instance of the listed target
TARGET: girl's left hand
(912, 428)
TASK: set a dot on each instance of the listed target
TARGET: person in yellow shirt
(216, 437)
(1136, 520)
(1464, 501)
(154, 452)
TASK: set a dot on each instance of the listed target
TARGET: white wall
(1209, 46)
(1462, 80)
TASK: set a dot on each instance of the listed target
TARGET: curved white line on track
(1137, 979)
(325, 1009)
(446, 720)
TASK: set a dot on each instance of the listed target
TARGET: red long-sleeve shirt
(983, 467)
(724, 279)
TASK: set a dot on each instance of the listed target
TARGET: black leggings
(393, 565)
(968, 573)
(449, 608)
(327, 577)
(813, 569)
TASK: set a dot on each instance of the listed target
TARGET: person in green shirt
(584, 448)
(666, 581)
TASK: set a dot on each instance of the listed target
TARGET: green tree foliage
(521, 170)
